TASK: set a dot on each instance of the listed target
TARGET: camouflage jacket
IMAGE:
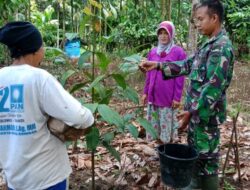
(210, 71)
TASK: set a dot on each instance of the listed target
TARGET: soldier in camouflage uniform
(210, 71)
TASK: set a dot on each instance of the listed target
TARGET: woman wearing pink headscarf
(164, 96)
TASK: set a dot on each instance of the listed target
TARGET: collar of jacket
(214, 38)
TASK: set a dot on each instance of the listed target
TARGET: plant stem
(236, 151)
(236, 146)
(93, 168)
(93, 93)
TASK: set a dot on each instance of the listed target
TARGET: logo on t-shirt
(11, 98)
(16, 98)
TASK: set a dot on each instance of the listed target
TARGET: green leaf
(112, 151)
(104, 61)
(59, 60)
(71, 36)
(95, 4)
(113, 10)
(92, 138)
(108, 137)
(84, 21)
(105, 12)
(65, 76)
(100, 90)
(17, 2)
(91, 107)
(128, 116)
(96, 81)
(51, 51)
(88, 11)
(133, 130)
(83, 58)
(104, 93)
(133, 58)
(81, 100)
(78, 86)
(131, 94)
(48, 13)
(128, 67)
(111, 116)
(120, 80)
(148, 126)
(107, 39)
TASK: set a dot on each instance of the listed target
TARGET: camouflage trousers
(206, 140)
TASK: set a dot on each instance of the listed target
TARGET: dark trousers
(60, 186)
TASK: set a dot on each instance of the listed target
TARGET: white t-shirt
(32, 158)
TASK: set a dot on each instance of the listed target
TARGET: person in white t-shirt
(30, 156)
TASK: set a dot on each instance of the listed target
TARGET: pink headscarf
(170, 29)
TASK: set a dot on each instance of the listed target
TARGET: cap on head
(22, 38)
(168, 26)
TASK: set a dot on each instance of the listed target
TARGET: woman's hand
(144, 99)
(184, 119)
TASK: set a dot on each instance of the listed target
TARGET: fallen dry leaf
(104, 178)
(143, 179)
(235, 177)
(245, 177)
(147, 150)
(153, 180)
(80, 161)
(106, 167)
(121, 180)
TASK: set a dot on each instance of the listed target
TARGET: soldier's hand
(184, 118)
(140, 65)
(148, 65)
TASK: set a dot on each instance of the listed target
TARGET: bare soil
(148, 175)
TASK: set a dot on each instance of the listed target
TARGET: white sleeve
(58, 103)
(2, 175)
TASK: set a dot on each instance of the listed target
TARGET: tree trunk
(29, 15)
(120, 5)
(163, 10)
(193, 33)
(72, 16)
(63, 17)
(58, 27)
(179, 12)
(169, 10)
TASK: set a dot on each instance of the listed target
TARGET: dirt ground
(139, 170)
(147, 176)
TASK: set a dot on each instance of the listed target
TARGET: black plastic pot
(176, 162)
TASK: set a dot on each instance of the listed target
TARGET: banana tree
(46, 25)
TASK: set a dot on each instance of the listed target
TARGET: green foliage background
(130, 24)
